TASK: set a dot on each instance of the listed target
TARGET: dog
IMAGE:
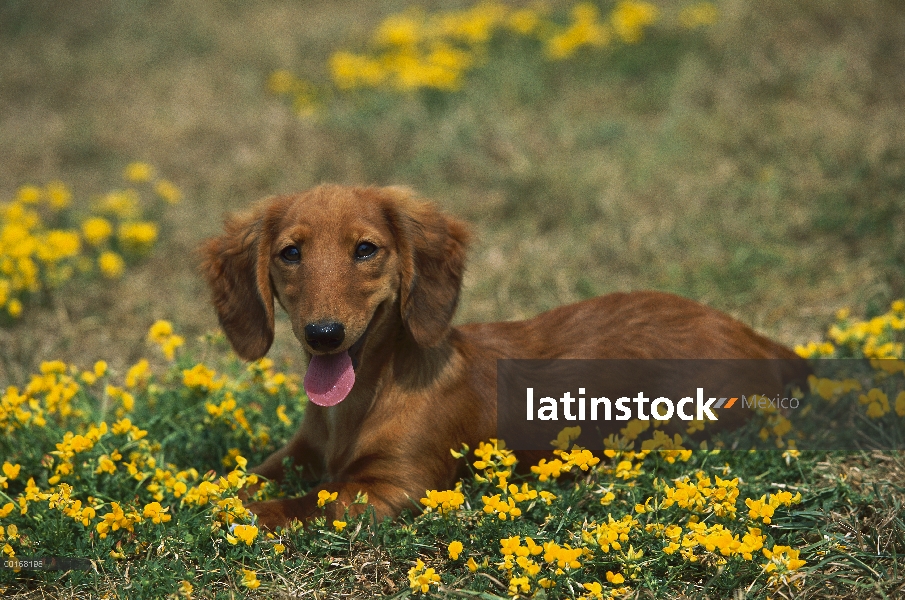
(370, 278)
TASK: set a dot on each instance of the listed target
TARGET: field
(750, 156)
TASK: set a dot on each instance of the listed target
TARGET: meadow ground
(755, 163)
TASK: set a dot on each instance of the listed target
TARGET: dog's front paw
(271, 514)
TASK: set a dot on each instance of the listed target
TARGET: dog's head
(342, 262)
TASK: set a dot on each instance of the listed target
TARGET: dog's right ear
(236, 267)
(432, 248)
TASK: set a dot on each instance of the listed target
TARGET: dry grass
(757, 167)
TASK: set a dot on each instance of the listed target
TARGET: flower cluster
(39, 251)
(415, 50)
(764, 507)
(444, 502)
(880, 338)
(422, 577)
(703, 496)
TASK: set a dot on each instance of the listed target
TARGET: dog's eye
(291, 254)
(365, 250)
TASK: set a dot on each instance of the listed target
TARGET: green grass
(844, 519)
(755, 165)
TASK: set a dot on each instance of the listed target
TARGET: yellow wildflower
(111, 264)
(138, 172)
(243, 533)
(421, 577)
(96, 230)
(137, 237)
(454, 549)
(28, 194)
(185, 589)
(250, 579)
(630, 17)
(156, 513)
(325, 497)
(169, 192)
(444, 502)
(10, 470)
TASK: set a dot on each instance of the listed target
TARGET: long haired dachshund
(370, 279)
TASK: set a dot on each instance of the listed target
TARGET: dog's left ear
(432, 249)
(235, 266)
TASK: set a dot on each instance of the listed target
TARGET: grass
(173, 442)
(755, 165)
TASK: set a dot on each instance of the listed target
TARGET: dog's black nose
(325, 336)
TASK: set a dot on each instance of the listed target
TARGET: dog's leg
(303, 453)
(386, 498)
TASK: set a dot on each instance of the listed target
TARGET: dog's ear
(236, 267)
(431, 248)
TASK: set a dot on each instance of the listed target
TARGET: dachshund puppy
(370, 279)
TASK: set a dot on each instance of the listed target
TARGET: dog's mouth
(330, 377)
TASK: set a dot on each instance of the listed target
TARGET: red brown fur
(421, 387)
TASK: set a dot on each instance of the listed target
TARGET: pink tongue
(329, 378)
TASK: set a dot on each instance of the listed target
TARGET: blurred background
(749, 155)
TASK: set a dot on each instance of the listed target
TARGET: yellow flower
(138, 237)
(421, 578)
(185, 589)
(472, 565)
(137, 375)
(325, 497)
(350, 71)
(339, 525)
(279, 549)
(96, 230)
(565, 437)
(454, 549)
(156, 513)
(123, 204)
(250, 579)
(10, 470)
(445, 501)
(877, 403)
(100, 368)
(160, 331)
(595, 588)
(57, 245)
(244, 533)
(629, 19)
(524, 21)
(105, 465)
(111, 264)
(281, 415)
(201, 378)
(14, 308)
(138, 172)
(28, 194)
(169, 192)
(58, 194)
